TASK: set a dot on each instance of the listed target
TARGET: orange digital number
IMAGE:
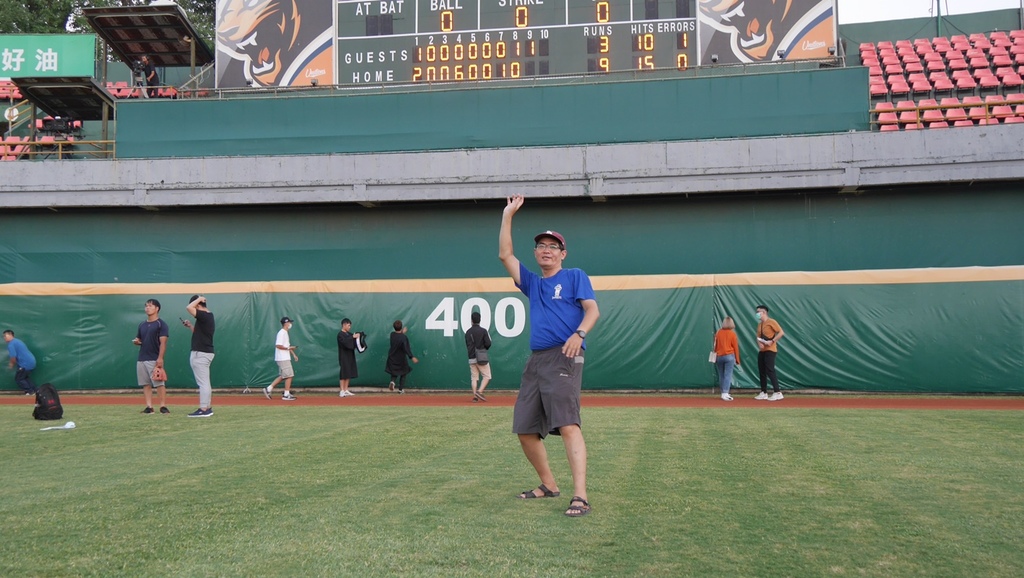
(604, 64)
(604, 12)
(459, 51)
(499, 49)
(431, 53)
(644, 43)
(473, 71)
(603, 44)
(417, 73)
(516, 70)
(447, 21)
(682, 62)
(522, 16)
(445, 52)
(645, 62)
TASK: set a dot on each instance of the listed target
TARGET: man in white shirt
(284, 351)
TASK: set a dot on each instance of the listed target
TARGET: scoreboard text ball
(472, 40)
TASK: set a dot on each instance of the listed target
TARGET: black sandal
(529, 495)
(578, 511)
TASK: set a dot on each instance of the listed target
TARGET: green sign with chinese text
(35, 55)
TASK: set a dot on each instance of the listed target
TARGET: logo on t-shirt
(558, 291)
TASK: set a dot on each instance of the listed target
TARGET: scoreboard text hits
(454, 40)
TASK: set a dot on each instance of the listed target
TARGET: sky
(853, 11)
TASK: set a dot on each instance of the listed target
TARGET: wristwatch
(581, 333)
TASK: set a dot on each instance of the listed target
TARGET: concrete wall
(846, 161)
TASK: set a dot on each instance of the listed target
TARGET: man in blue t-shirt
(152, 341)
(23, 360)
(562, 310)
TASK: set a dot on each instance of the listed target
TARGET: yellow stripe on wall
(505, 285)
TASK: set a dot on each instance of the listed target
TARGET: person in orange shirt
(769, 332)
(727, 355)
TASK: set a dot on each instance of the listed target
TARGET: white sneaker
(726, 397)
(288, 397)
(349, 392)
(775, 396)
(341, 394)
(266, 392)
(762, 395)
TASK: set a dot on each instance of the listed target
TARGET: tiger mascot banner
(750, 31)
(268, 43)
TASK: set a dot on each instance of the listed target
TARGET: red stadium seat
(942, 124)
(875, 70)
(963, 123)
(930, 115)
(965, 84)
(889, 127)
(1001, 60)
(899, 89)
(1013, 120)
(894, 69)
(988, 121)
(908, 113)
(888, 59)
(913, 66)
(878, 91)
(1012, 82)
(867, 46)
(1002, 111)
(943, 84)
(953, 114)
(978, 63)
(957, 64)
(988, 83)
(921, 87)
(1015, 98)
(886, 114)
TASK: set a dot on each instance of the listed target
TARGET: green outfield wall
(687, 108)
(898, 291)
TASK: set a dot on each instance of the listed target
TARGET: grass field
(400, 491)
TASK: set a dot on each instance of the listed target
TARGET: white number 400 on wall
(443, 316)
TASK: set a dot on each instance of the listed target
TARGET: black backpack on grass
(47, 403)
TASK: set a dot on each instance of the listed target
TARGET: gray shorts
(144, 372)
(284, 369)
(549, 393)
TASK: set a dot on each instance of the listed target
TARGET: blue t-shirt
(555, 308)
(17, 350)
(150, 333)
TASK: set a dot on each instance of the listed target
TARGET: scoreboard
(414, 41)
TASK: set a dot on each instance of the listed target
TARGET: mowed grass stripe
(384, 491)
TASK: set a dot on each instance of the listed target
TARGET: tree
(64, 16)
(35, 16)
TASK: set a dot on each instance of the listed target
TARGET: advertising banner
(47, 55)
(269, 43)
(751, 31)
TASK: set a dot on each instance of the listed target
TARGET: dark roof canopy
(156, 30)
(80, 98)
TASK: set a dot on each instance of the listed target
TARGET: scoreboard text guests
(459, 40)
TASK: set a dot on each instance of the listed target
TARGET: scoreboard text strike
(458, 40)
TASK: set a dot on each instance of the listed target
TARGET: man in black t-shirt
(202, 352)
(152, 341)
